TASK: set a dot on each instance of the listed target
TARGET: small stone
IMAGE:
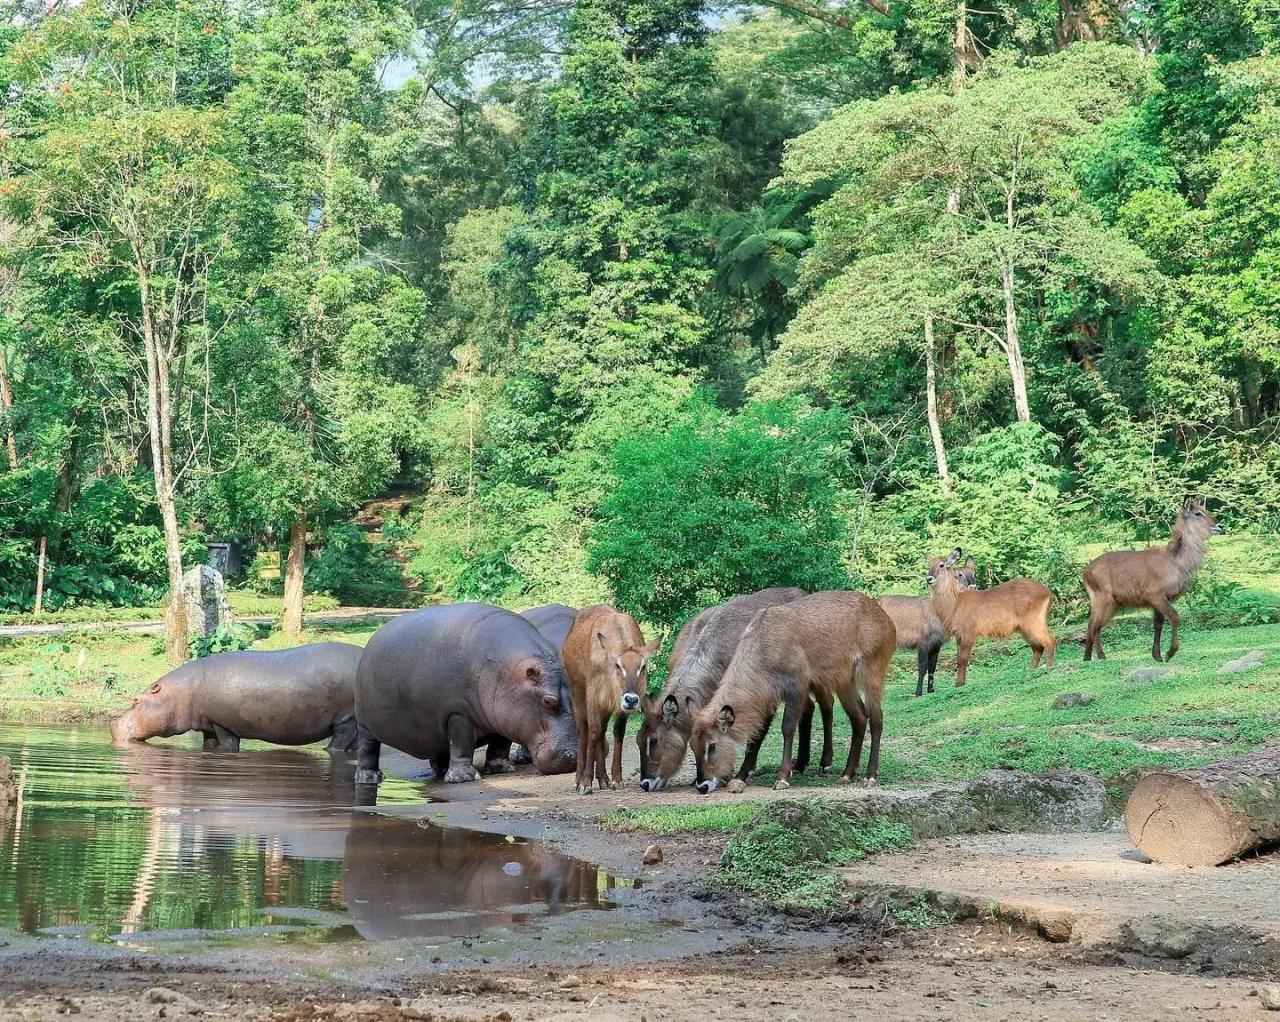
(1145, 675)
(1247, 662)
(1055, 927)
(653, 855)
(1269, 997)
(737, 786)
(503, 1016)
(174, 999)
(1069, 699)
(570, 983)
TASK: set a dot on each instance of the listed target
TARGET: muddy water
(166, 840)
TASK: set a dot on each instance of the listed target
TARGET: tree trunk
(1013, 344)
(44, 549)
(293, 576)
(1208, 815)
(960, 47)
(931, 400)
(175, 619)
(6, 410)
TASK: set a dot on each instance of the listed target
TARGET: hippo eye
(550, 702)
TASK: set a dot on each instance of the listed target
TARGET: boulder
(1146, 675)
(1247, 662)
(205, 594)
(1069, 699)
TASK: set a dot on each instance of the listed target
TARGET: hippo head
(663, 740)
(154, 714)
(545, 715)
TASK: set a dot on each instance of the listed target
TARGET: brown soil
(968, 972)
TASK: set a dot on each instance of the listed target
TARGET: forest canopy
(651, 300)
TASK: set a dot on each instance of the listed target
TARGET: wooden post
(44, 546)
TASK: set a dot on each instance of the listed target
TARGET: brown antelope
(837, 644)
(607, 661)
(1019, 605)
(698, 660)
(1148, 578)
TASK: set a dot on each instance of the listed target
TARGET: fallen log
(1208, 815)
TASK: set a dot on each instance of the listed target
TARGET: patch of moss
(781, 854)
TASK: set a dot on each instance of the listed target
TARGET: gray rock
(205, 594)
(1247, 662)
(1146, 675)
(1160, 937)
(1069, 699)
(7, 791)
(1269, 997)
(653, 855)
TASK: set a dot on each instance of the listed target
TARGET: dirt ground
(968, 971)
(668, 951)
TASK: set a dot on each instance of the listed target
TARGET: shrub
(223, 639)
(356, 571)
(718, 506)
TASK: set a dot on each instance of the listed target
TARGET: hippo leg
(368, 750)
(462, 749)
(344, 737)
(226, 740)
(497, 756)
(521, 756)
(210, 741)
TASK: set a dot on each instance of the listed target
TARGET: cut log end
(1208, 815)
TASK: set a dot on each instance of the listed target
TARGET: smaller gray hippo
(290, 697)
(554, 621)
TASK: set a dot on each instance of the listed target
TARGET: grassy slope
(244, 603)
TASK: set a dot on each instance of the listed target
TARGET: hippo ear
(725, 718)
(670, 709)
(155, 688)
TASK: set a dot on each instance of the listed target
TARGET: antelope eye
(1199, 514)
(653, 744)
(711, 749)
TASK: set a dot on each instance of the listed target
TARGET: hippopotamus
(438, 682)
(554, 621)
(290, 697)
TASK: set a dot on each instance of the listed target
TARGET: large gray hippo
(291, 697)
(438, 682)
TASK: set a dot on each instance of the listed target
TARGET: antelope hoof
(615, 785)
(582, 789)
(870, 782)
(737, 786)
(846, 779)
(781, 785)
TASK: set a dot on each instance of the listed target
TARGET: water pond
(166, 840)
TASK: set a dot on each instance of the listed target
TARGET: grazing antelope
(607, 661)
(698, 660)
(835, 644)
(1019, 605)
(1148, 578)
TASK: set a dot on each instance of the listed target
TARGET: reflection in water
(167, 837)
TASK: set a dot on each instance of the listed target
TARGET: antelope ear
(969, 564)
(600, 639)
(652, 646)
(670, 709)
(954, 556)
(725, 718)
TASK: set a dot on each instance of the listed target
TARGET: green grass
(712, 817)
(244, 603)
(779, 855)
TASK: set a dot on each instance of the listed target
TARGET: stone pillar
(206, 598)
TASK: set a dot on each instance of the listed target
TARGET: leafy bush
(223, 639)
(721, 505)
(356, 571)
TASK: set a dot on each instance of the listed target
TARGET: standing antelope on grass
(1148, 578)
(607, 661)
(918, 628)
(833, 645)
(1019, 605)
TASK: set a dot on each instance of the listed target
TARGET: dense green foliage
(642, 299)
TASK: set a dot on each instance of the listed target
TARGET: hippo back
(553, 620)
